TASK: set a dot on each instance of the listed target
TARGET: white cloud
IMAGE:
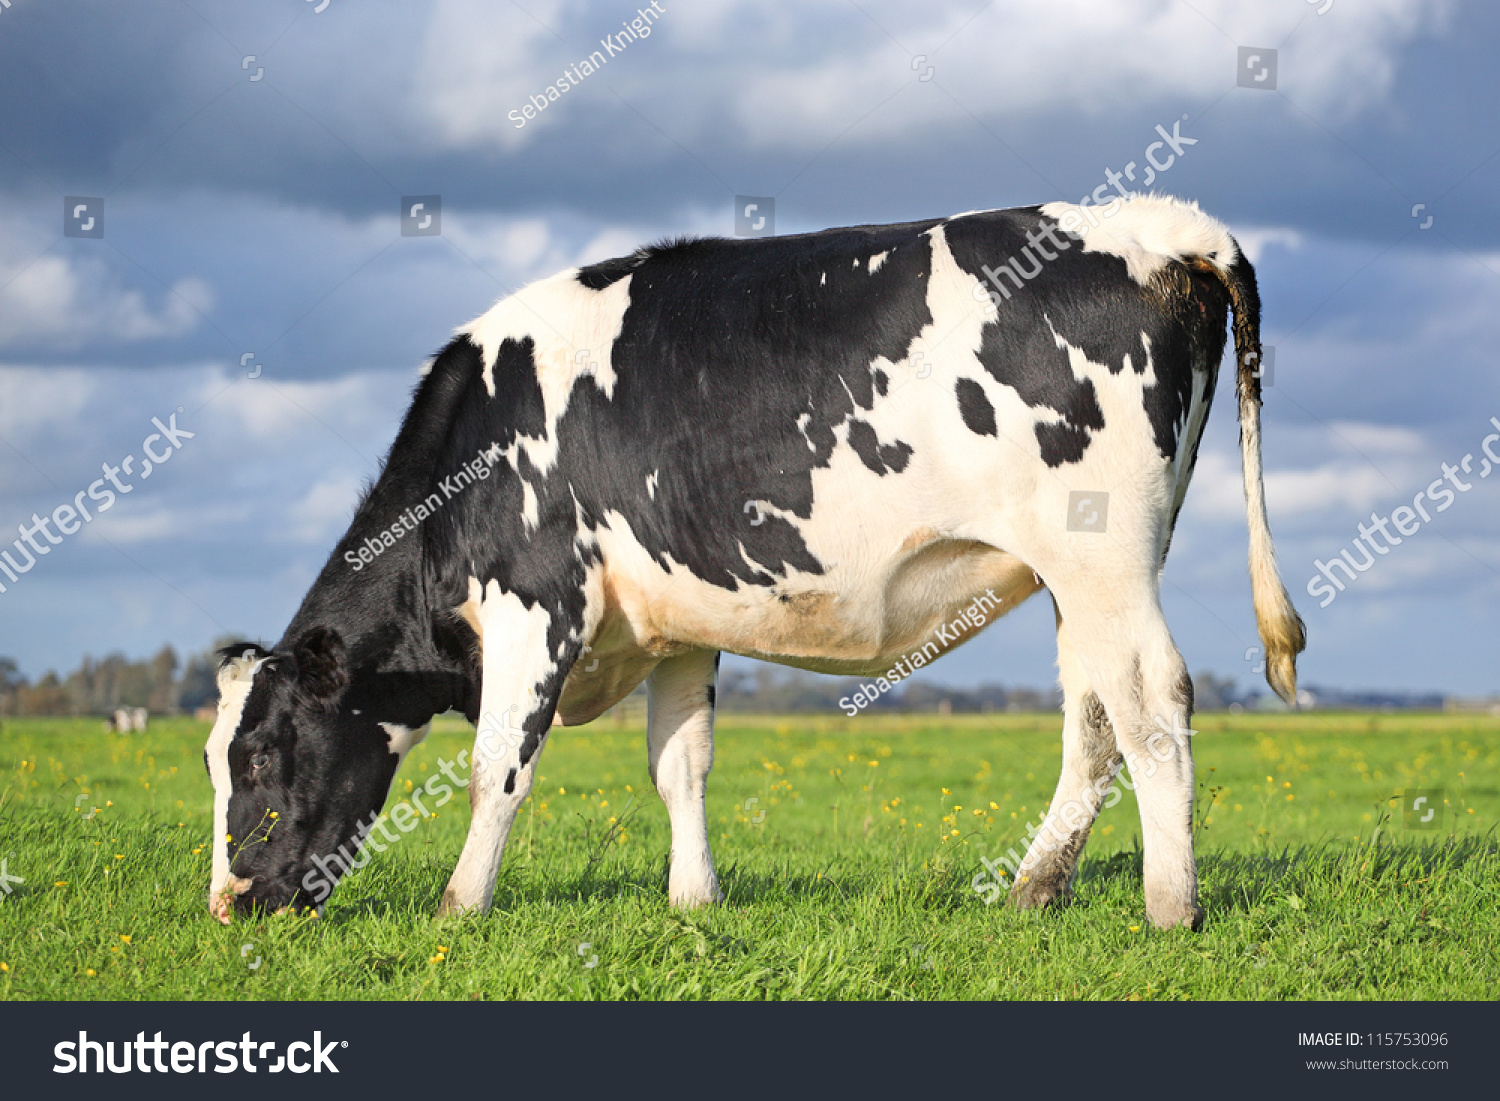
(135, 518)
(808, 73)
(1253, 240)
(323, 513)
(517, 251)
(481, 61)
(126, 526)
(32, 399)
(1378, 440)
(1365, 464)
(1432, 553)
(514, 250)
(275, 411)
(1337, 485)
(70, 301)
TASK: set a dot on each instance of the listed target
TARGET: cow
(818, 450)
(126, 719)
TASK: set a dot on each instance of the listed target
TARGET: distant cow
(820, 450)
(127, 719)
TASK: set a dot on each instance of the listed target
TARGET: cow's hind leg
(680, 742)
(526, 656)
(1089, 763)
(1115, 622)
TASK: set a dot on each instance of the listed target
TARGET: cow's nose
(222, 905)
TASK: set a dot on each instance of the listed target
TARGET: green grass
(844, 879)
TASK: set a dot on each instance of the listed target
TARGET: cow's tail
(1282, 632)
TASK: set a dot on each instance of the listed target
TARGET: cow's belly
(927, 597)
(920, 614)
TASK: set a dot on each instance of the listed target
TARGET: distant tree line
(161, 684)
(164, 686)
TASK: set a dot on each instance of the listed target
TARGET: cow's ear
(322, 672)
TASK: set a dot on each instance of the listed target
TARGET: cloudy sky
(252, 159)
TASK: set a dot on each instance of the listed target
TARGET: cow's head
(297, 773)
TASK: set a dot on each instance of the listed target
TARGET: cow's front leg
(680, 741)
(526, 656)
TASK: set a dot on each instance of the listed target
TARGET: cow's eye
(259, 761)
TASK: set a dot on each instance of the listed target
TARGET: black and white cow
(815, 450)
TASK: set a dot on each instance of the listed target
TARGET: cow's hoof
(1189, 917)
(1038, 893)
(692, 899)
(451, 906)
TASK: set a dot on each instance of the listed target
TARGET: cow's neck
(409, 656)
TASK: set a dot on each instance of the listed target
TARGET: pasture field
(847, 851)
